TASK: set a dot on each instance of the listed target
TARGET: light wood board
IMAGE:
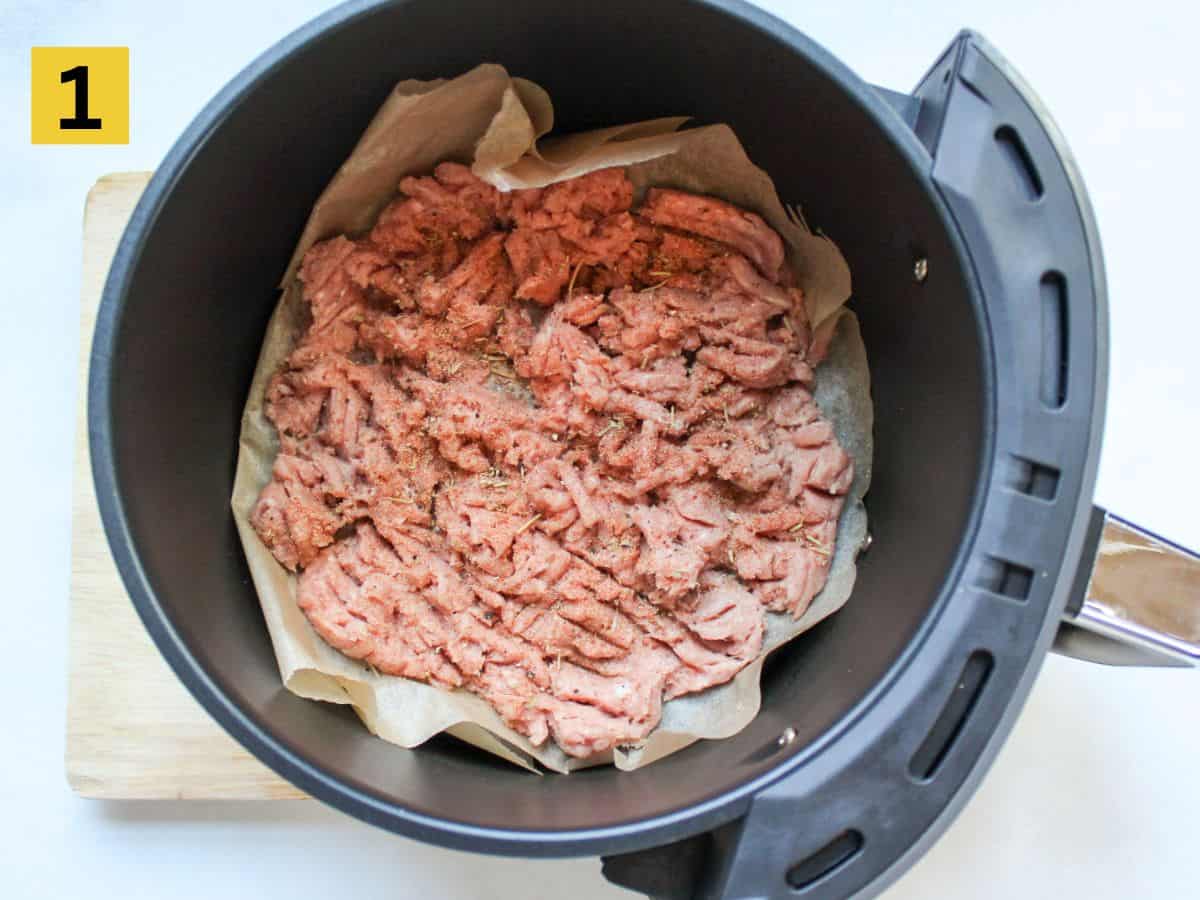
(133, 731)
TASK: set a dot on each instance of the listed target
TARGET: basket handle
(1140, 602)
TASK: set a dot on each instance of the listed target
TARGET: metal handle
(1141, 602)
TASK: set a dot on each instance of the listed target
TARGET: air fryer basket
(978, 282)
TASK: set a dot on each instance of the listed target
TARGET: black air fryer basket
(979, 283)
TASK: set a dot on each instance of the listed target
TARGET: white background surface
(1094, 796)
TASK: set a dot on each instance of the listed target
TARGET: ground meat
(553, 449)
(744, 231)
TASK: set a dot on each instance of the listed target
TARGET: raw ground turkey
(552, 449)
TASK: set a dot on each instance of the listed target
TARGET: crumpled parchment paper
(496, 124)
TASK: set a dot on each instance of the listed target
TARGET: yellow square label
(80, 95)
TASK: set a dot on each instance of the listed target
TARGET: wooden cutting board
(133, 731)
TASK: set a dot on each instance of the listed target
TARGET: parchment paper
(496, 124)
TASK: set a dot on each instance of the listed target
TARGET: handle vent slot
(954, 715)
(1012, 148)
(820, 865)
(1004, 578)
(1053, 291)
(1033, 479)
